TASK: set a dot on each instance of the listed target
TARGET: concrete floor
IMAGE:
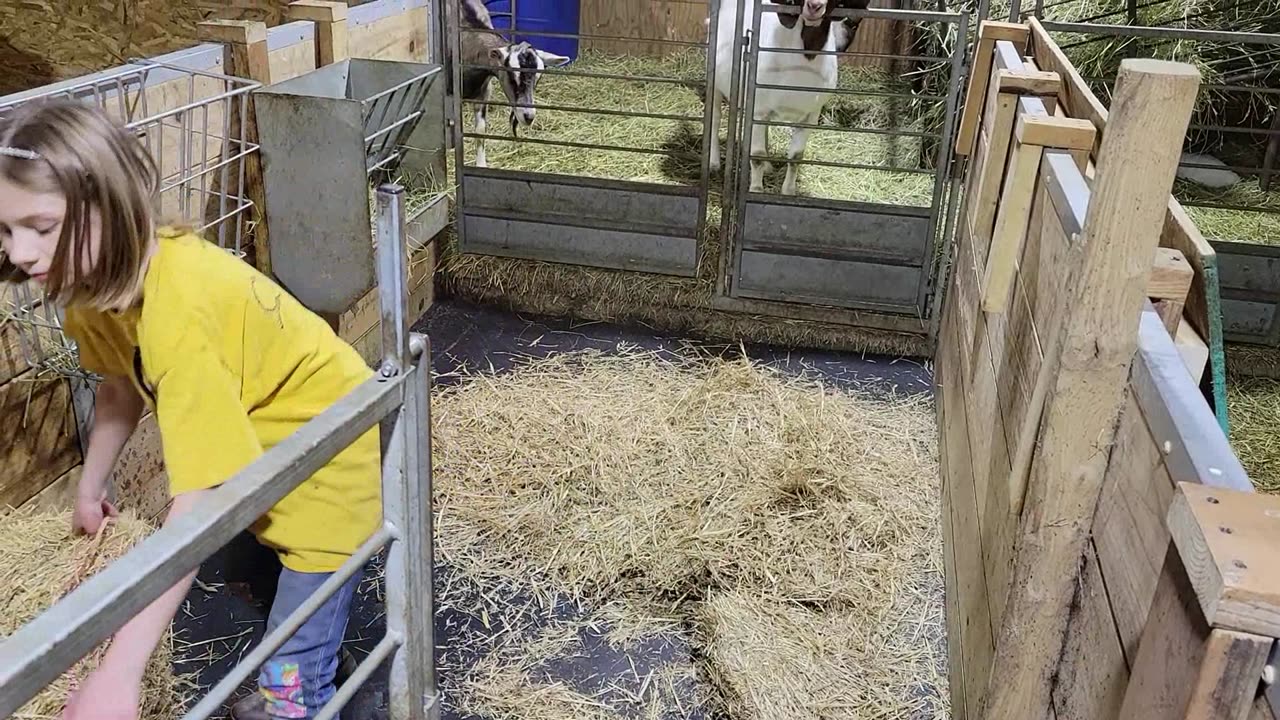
(228, 621)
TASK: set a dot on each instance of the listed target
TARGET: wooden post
(1105, 291)
(980, 77)
(246, 57)
(1171, 279)
(330, 19)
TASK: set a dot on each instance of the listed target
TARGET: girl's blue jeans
(299, 679)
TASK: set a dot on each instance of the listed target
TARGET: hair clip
(19, 153)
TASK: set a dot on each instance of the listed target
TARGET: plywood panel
(1093, 674)
(40, 442)
(681, 21)
(290, 62)
(399, 37)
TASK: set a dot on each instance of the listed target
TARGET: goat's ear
(499, 54)
(552, 60)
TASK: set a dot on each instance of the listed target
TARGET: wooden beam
(1031, 135)
(246, 56)
(1227, 539)
(1186, 670)
(330, 19)
(1102, 301)
(1030, 82)
(980, 78)
(1170, 283)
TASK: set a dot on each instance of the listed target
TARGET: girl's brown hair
(97, 165)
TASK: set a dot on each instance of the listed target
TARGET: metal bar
(870, 14)
(710, 130)
(1166, 33)
(744, 170)
(846, 166)
(836, 53)
(1231, 206)
(454, 122)
(837, 128)
(392, 279)
(367, 667)
(944, 153)
(1273, 147)
(730, 197)
(43, 649)
(849, 91)
(573, 36)
(592, 111)
(1272, 132)
(599, 75)
(585, 146)
(212, 701)
(1207, 166)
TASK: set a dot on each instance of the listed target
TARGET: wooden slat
(967, 542)
(1129, 530)
(1228, 540)
(1135, 171)
(980, 78)
(1011, 225)
(397, 37)
(330, 19)
(40, 442)
(1185, 669)
(1093, 674)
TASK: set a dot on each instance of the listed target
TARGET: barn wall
(42, 459)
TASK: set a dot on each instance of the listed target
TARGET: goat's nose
(815, 6)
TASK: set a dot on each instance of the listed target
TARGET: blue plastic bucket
(552, 16)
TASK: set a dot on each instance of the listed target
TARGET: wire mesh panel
(838, 182)
(192, 122)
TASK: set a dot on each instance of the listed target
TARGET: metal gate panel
(610, 224)
(616, 224)
(1249, 278)
(842, 253)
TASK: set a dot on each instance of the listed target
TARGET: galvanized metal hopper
(326, 137)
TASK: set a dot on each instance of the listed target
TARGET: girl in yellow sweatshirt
(229, 363)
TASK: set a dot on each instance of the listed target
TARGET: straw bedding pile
(770, 515)
(43, 562)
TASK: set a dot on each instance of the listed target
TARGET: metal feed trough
(326, 137)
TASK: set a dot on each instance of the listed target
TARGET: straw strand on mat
(43, 562)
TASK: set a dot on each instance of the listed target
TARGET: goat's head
(815, 13)
(521, 65)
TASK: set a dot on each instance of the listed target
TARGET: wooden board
(40, 442)
(398, 37)
(1093, 674)
(1227, 540)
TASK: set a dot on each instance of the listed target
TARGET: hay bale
(44, 562)
(781, 661)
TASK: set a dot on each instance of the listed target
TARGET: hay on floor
(1253, 407)
(651, 483)
(785, 661)
(44, 562)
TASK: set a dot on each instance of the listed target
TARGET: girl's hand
(104, 695)
(90, 512)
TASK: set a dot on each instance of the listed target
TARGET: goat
(812, 31)
(517, 67)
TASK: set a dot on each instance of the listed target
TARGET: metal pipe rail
(397, 399)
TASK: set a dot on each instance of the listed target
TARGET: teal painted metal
(1217, 352)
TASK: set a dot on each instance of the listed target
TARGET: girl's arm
(112, 691)
(117, 407)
